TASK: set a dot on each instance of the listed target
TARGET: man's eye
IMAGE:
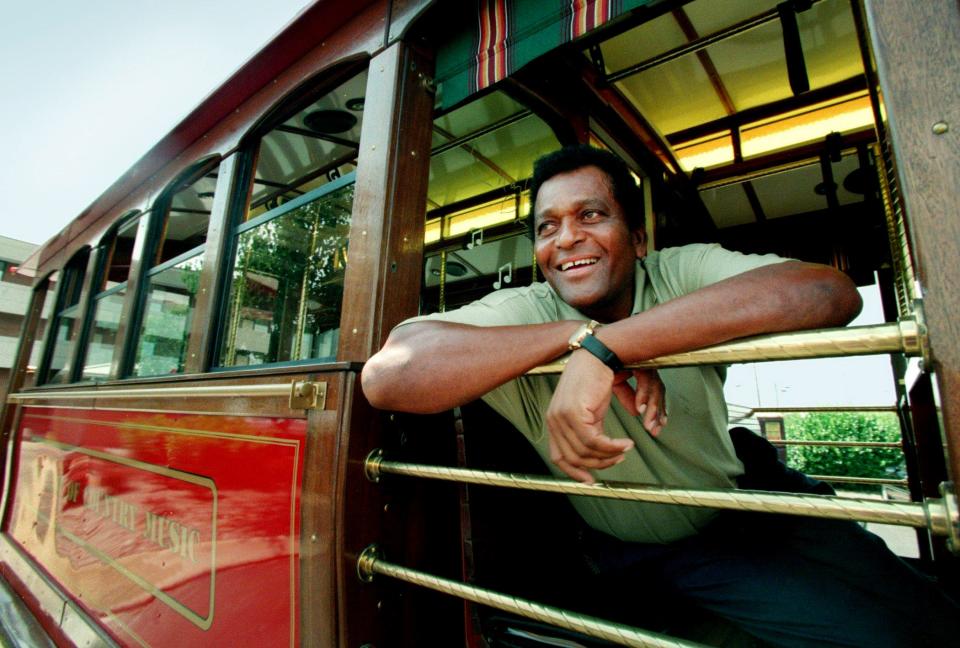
(545, 228)
(591, 214)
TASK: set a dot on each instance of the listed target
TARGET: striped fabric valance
(505, 35)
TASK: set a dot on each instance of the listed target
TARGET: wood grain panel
(202, 337)
(318, 556)
(918, 61)
(382, 282)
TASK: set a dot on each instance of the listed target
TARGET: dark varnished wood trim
(917, 53)
(382, 281)
(318, 516)
(127, 328)
(202, 335)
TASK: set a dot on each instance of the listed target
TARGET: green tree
(845, 426)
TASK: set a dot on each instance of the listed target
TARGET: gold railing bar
(836, 444)
(930, 514)
(279, 389)
(900, 337)
(845, 479)
(370, 562)
(816, 408)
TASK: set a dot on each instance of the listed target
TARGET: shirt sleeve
(691, 267)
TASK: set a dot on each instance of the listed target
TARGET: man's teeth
(574, 264)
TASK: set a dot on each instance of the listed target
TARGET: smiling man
(609, 303)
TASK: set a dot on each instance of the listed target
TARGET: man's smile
(575, 263)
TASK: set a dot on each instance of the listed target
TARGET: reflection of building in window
(14, 300)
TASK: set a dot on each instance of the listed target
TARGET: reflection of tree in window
(288, 283)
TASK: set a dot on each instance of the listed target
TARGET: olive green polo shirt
(692, 451)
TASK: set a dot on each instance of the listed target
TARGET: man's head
(570, 158)
(585, 241)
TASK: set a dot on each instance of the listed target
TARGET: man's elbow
(373, 383)
(841, 297)
(386, 383)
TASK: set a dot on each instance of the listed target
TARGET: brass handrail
(899, 337)
(932, 514)
(282, 389)
(371, 562)
(301, 394)
(836, 444)
(867, 481)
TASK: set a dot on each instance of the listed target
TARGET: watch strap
(601, 352)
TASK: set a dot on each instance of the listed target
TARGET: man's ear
(640, 242)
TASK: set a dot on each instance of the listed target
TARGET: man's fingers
(627, 397)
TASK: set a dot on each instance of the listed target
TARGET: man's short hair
(570, 158)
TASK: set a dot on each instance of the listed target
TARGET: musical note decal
(501, 279)
(476, 239)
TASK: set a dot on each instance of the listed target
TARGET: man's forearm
(431, 366)
(782, 297)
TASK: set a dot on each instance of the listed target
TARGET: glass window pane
(103, 336)
(121, 253)
(63, 345)
(288, 284)
(313, 147)
(30, 378)
(65, 324)
(187, 218)
(165, 333)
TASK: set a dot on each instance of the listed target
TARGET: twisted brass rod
(836, 444)
(370, 563)
(900, 337)
(876, 481)
(931, 514)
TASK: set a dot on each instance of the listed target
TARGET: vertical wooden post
(918, 62)
(382, 282)
(202, 337)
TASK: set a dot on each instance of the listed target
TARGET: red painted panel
(170, 529)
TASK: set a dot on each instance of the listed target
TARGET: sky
(91, 86)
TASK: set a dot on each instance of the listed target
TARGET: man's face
(584, 246)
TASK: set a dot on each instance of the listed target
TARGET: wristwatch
(585, 329)
(584, 338)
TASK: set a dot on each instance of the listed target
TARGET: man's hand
(647, 400)
(579, 404)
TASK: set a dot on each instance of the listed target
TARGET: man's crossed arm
(431, 366)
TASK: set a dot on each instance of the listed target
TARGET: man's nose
(569, 234)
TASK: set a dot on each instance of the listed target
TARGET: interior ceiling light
(329, 121)
(355, 104)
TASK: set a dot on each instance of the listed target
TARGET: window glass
(171, 283)
(170, 304)
(476, 237)
(291, 241)
(103, 334)
(313, 147)
(30, 378)
(187, 218)
(108, 303)
(288, 283)
(121, 252)
(65, 325)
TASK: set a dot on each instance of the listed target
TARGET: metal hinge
(305, 394)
